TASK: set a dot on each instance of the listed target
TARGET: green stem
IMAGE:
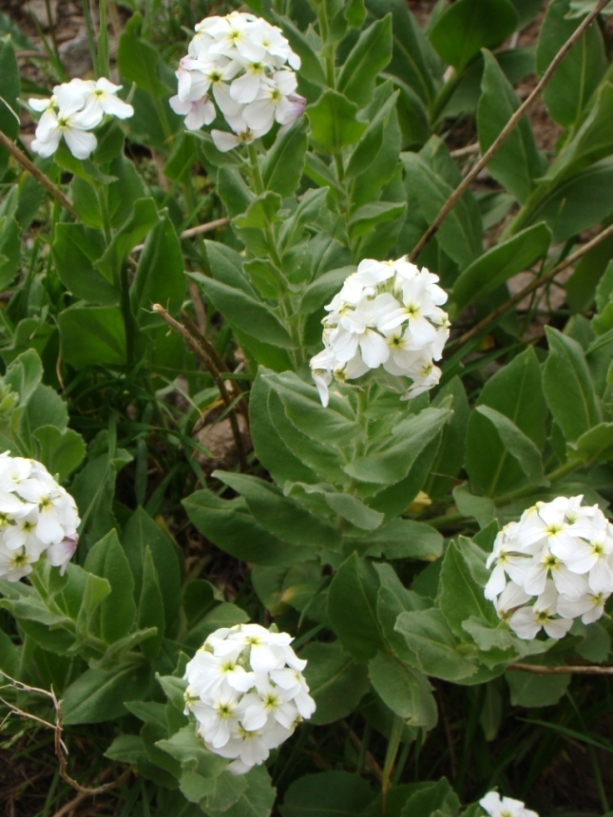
(126, 311)
(256, 174)
(390, 756)
(444, 95)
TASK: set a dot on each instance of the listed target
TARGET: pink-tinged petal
(180, 106)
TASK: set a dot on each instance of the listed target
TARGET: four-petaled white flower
(247, 692)
(37, 516)
(554, 565)
(72, 112)
(240, 64)
(495, 806)
(388, 314)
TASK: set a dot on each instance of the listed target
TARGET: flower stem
(390, 756)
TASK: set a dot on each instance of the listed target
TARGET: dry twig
(60, 747)
(505, 132)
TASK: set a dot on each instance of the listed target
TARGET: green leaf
(227, 267)
(460, 595)
(367, 217)
(517, 444)
(595, 445)
(591, 142)
(449, 458)
(151, 608)
(333, 122)
(139, 62)
(160, 276)
(312, 67)
(231, 527)
(244, 312)
(279, 514)
(270, 448)
(515, 391)
(568, 387)
(581, 70)
(405, 690)
(412, 57)
(255, 801)
(354, 511)
(9, 90)
(368, 57)
(352, 607)
(93, 336)
(75, 251)
(435, 799)
(460, 235)
(327, 794)
(98, 695)
(261, 213)
(531, 690)
(518, 163)
(10, 242)
(428, 635)
(500, 263)
(336, 682)
(405, 539)
(283, 163)
(126, 749)
(467, 26)
(60, 452)
(392, 463)
(392, 599)
(143, 218)
(139, 533)
(117, 612)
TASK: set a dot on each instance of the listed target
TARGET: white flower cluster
(387, 314)
(239, 61)
(247, 692)
(36, 516)
(75, 109)
(496, 806)
(552, 566)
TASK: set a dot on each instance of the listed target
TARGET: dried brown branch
(211, 367)
(505, 132)
(60, 747)
(577, 670)
(199, 230)
(532, 286)
(29, 165)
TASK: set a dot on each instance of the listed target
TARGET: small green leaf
(368, 57)
(467, 26)
(517, 444)
(333, 122)
(352, 607)
(336, 682)
(405, 690)
(568, 387)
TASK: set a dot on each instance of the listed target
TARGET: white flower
(247, 693)
(496, 806)
(559, 560)
(386, 314)
(241, 62)
(37, 516)
(75, 109)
